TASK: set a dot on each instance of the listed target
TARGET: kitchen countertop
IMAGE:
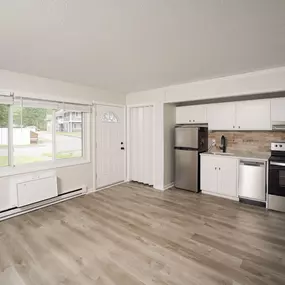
(241, 154)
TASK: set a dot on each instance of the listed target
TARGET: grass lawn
(73, 134)
(3, 160)
(45, 157)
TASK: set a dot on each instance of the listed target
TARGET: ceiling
(132, 45)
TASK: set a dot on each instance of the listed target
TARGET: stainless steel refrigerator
(190, 141)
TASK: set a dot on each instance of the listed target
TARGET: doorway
(110, 145)
(141, 139)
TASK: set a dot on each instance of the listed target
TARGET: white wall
(158, 146)
(169, 124)
(71, 177)
(270, 80)
(146, 97)
(43, 88)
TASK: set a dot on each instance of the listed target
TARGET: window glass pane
(32, 135)
(4, 117)
(110, 117)
(69, 138)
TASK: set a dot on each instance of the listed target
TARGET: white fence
(20, 136)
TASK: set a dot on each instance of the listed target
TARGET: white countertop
(241, 154)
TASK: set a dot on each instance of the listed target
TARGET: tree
(30, 117)
(4, 116)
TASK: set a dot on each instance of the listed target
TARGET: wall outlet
(213, 142)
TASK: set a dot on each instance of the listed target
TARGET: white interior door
(141, 140)
(110, 145)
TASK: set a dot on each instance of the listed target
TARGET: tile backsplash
(252, 141)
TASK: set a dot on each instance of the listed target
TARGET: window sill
(30, 168)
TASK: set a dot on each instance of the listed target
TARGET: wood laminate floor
(131, 234)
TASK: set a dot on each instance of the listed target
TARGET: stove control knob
(276, 145)
(280, 145)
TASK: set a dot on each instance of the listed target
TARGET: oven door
(277, 178)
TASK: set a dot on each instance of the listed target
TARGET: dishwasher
(252, 180)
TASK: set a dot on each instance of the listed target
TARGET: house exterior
(68, 121)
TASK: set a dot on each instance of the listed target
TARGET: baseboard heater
(48, 202)
(37, 189)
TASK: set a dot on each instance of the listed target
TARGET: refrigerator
(190, 141)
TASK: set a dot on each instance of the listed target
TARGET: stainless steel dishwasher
(252, 180)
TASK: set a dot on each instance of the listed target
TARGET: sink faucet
(223, 144)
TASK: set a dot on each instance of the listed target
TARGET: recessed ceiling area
(132, 45)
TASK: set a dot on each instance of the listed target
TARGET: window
(4, 135)
(35, 131)
(32, 135)
(110, 117)
(69, 138)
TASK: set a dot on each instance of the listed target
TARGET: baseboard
(158, 187)
(30, 208)
(170, 185)
(91, 190)
(106, 187)
(221, 196)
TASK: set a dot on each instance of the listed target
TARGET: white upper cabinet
(278, 110)
(253, 115)
(191, 115)
(221, 116)
(244, 115)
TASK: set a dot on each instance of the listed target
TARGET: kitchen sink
(222, 153)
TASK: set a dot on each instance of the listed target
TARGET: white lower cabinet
(219, 175)
(209, 178)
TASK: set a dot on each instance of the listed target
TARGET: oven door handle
(277, 163)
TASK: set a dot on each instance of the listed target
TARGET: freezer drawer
(252, 179)
(186, 170)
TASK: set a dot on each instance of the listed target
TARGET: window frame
(10, 140)
(84, 133)
(12, 169)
